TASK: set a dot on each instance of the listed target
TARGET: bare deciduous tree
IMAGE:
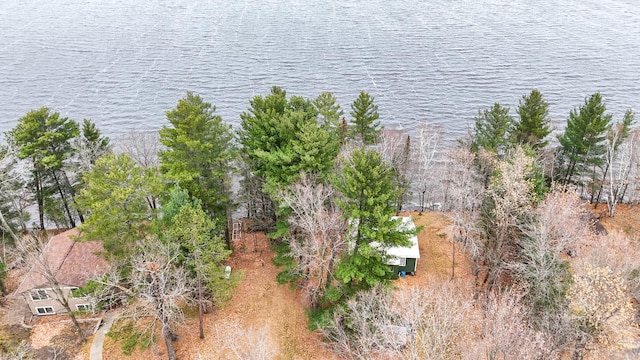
(22, 351)
(233, 341)
(564, 217)
(501, 331)
(13, 178)
(541, 269)
(600, 306)
(439, 314)
(32, 248)
(508, 203)
(428, 141)
(142, 147)
(435, 321)
(368, 326)
(616, 251)
(157, 287)
(395, 150)
(318, 229)
(464, 194)
(618, 159)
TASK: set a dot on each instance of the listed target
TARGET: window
(73, 292)
(45, 310)
(39, 294)
(397, 261)
(84, 307)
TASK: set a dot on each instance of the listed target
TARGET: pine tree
(202, 252)
(329, 112)
(369, 190)
(45, 139)
(199, 154)
(492, 130)
(364, 125)
(582, 143)
(281, 138)
(118, 197)
(533, 126)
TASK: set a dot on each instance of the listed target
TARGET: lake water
(124, 63)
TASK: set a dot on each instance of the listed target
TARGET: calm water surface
(124, 63)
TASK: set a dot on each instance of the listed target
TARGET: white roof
(411, 252)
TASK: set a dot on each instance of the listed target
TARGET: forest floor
(273, 316)
(267, 320)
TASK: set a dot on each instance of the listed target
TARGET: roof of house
(74, 262)
(402, 252)
(410, 252)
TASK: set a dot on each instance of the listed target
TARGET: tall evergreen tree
(202, 251)
(582, 143)
(492, 130)
(45, 139)
(369, 190)
(118, 201)
(364, 124)
(281, 138)
(534, 124)
(88, 147)
(199, 154)
(91, 143)
(329, 112)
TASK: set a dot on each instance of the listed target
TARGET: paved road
(98, 339)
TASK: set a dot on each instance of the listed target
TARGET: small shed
(404, 259)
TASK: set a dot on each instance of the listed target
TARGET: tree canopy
(117, 199)
(44, 138)
(199, 154)
(582, 142)
(493, 128)
(369, 190)
(534, 124)
(364, 123)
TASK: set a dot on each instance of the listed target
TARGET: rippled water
(124, 63)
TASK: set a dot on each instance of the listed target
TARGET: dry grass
(627, 219)
(436, 259)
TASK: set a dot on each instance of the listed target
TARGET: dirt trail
(260, 303)
(260, 310)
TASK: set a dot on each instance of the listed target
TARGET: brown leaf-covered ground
(259, 303)
(263, 311)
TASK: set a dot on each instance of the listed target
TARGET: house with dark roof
(72, 263)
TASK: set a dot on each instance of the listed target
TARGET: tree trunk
(39, 197)
(64, 200)
(168, 340)
(73, 195)
(453, 256)
(77, 325)
(612, 208)
(626, 185)
(604, 176)
(5, 226)
(422, 195)
(200, 309)
(569, 173)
